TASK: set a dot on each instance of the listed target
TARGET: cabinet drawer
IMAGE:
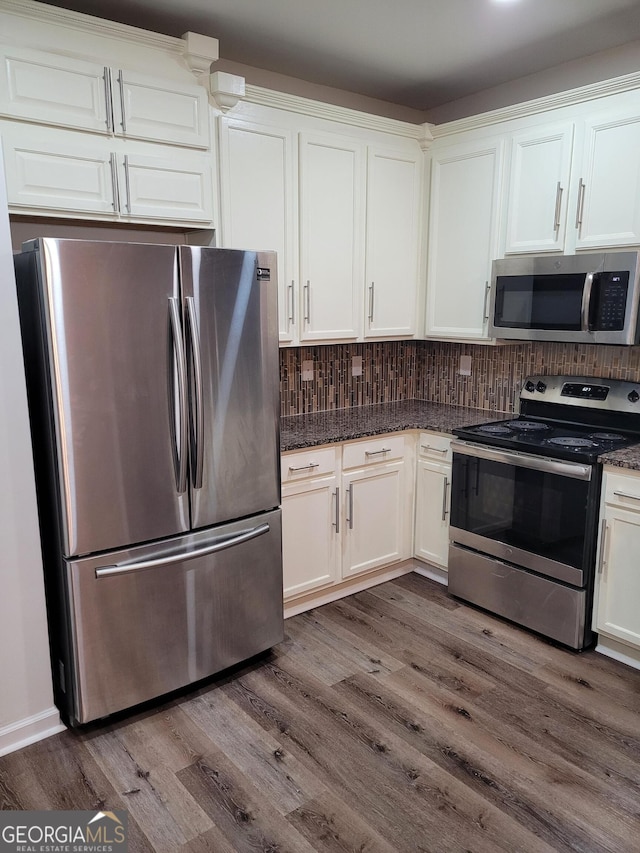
(372, 451)
(303, 464)
(622, 490)
(434, 446)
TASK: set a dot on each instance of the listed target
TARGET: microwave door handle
(586, 301)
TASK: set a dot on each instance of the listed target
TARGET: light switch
(465, 365)
(307, 371)
(356, 365)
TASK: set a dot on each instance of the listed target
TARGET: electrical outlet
(356, 365)
(465, 365)
(307, 371)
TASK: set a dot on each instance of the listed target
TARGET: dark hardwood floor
(393, 720)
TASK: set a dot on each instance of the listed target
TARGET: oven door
(529, 511)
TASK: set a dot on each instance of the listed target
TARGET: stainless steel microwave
(591, 299)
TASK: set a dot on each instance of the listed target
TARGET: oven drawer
(550, 608)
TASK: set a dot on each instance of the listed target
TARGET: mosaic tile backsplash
(426, 370)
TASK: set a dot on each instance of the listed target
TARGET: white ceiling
(416, 53)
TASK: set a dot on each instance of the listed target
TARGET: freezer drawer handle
(219, 544)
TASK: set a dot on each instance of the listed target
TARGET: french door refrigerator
(152, 375)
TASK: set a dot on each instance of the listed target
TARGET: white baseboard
(432, 572)
(24, 732)
(618, 651)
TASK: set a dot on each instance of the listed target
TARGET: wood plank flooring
(394, 720)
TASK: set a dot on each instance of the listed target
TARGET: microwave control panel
(610, 310)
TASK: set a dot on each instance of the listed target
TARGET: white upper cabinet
(607, 182)
(392, 242)
(66, 92)
(463, 234)
(539, 189)
(332, 185)
(257, 183)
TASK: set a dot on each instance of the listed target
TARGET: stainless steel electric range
(525, 496)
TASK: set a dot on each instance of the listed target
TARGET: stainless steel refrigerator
(152, 375)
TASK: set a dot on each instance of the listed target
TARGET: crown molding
(344, 115)
(603, 89)
(89, 24)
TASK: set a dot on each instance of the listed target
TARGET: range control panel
(585, 392)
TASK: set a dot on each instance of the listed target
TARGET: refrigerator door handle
(198, 416)
(219, 544)
(180, 439)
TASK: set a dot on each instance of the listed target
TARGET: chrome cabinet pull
(579, 209)
(307, 303)
(432, 449)
(603, 551)
(486, 301)
(123, 122)
(625, 495)
(127, 184)
(304, 467)
(220, 544)
(350, 516)
(336, 523)
(179, 456)
(108, 99)
(196, 361)
(114, 183)
(292, 303)
(377, 452)
(556, 216)
(444, 499)
(371, 301)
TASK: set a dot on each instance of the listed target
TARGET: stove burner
(528, 426)
(568, 441)
(494, 429)
(606, 436)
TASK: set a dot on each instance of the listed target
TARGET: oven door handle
(523, 460)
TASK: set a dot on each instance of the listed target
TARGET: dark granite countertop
(299, 431)
(627, 458)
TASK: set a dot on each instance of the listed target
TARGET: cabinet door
(258, 203)
(310, 535)
(332, 234)
(538, 190)
(618, 581)
(608, 191)
(160, 110)
(432, 513)
(465, 192)
(178, 187)
(50, 89)
(376, 519)
(393, 243)
(50, 169)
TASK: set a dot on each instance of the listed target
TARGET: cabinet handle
(350, 504)
(114, 183)
(336, 523)
(292, 303)
(371, 301)
(123, 122)
(307, 302)
(625, 495)
(603, 550)
(377, 452)
(308, 467)
(556, 216)
(127, 184)
(432, 449)
(486, 301)
(579, 209)
(444, 499)
(108, 99)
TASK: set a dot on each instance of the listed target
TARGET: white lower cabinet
(346, 511)
(616, 611)
(433, 498)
